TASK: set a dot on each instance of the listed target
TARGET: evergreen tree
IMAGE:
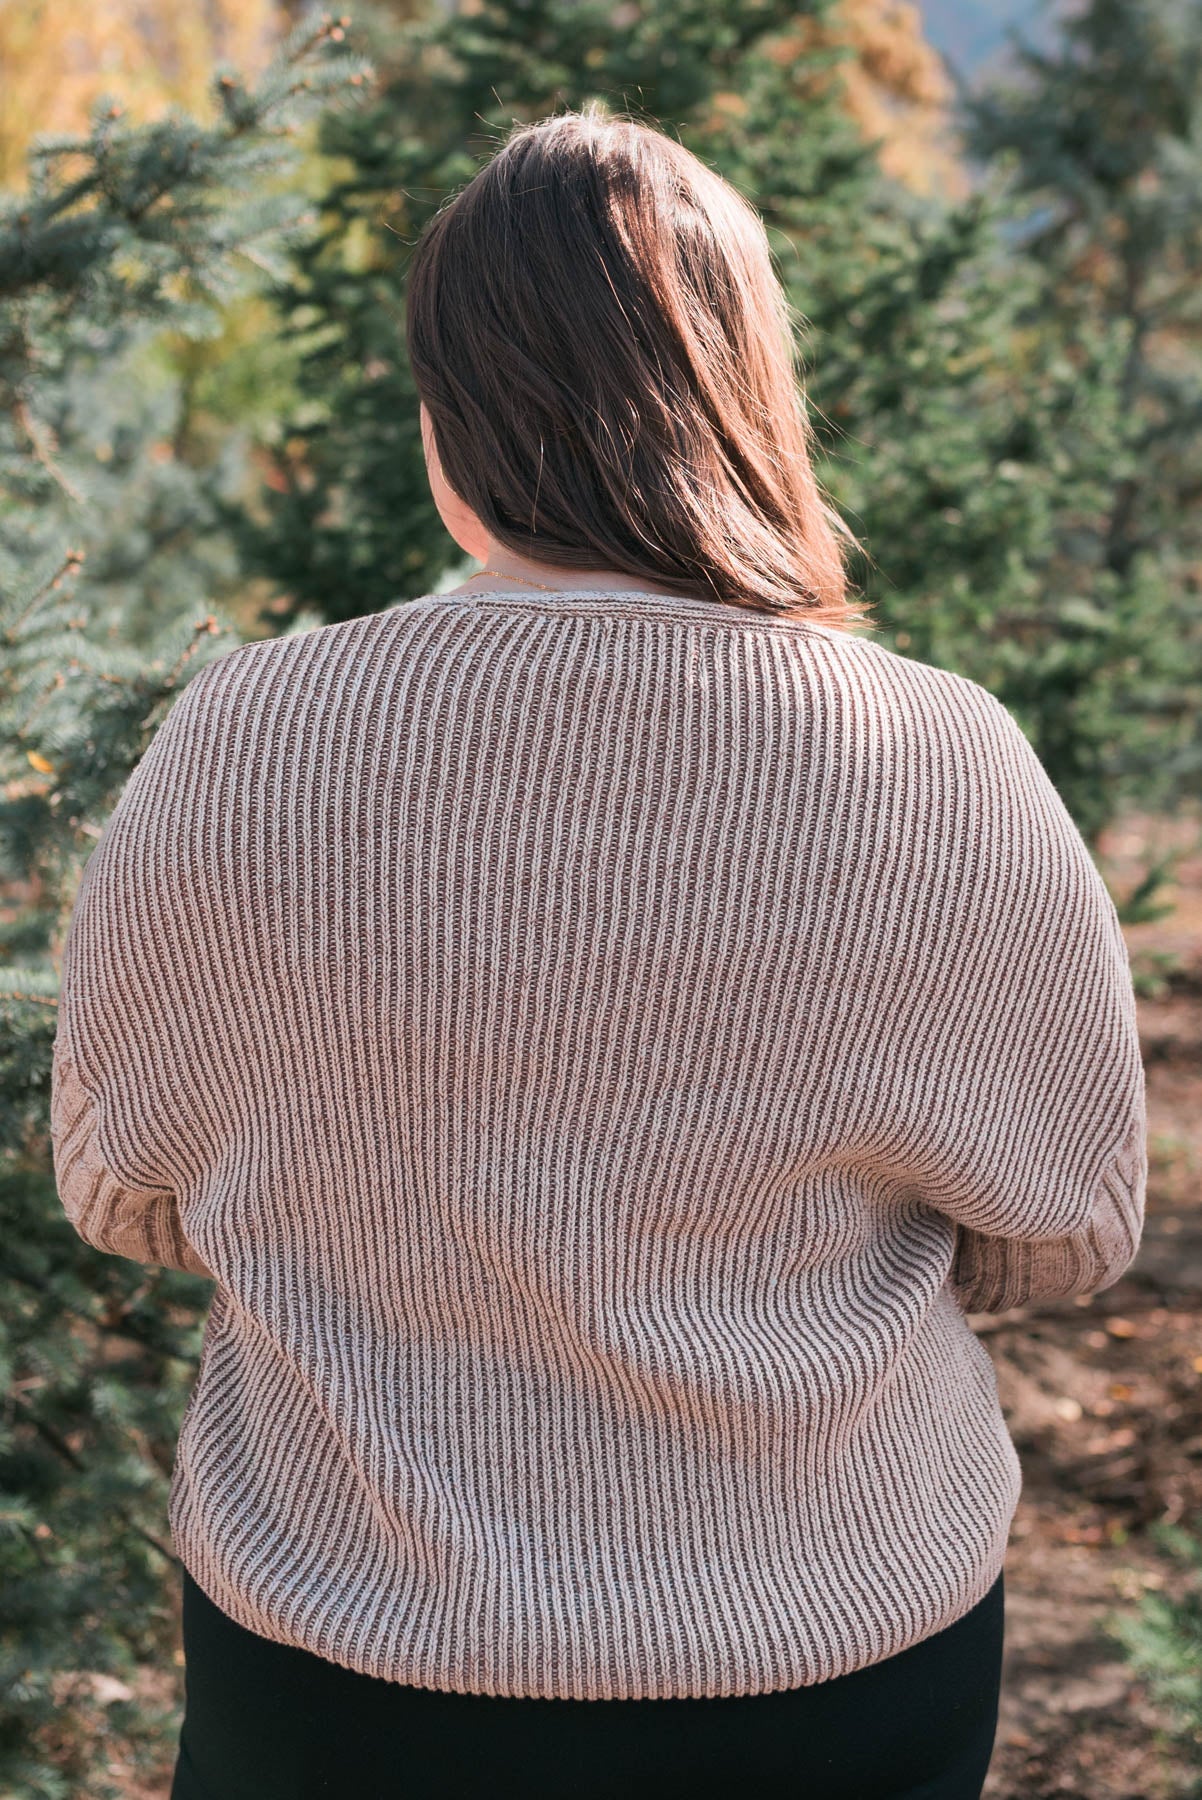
(1101, 139)
(123, 234)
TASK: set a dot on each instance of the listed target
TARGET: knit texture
(601, 1045)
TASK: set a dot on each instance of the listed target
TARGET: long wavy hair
(609, 364)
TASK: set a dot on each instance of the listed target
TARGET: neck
(523, 569)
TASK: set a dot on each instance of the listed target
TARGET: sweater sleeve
(108, 1210)
(1036, 1142)
(992, 1274)
(119, 977)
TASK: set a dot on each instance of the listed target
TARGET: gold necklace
(504, 577)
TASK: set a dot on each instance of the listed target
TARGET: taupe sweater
(600, 1044)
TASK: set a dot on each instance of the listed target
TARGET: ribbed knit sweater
(601, 1045)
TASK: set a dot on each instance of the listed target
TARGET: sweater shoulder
(924, 700)
(867, 657)
(255, 658)
(925, 703)
(827, 644)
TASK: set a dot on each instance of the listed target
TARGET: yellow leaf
(40, 763)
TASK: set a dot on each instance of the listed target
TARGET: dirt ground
(1103, 1397)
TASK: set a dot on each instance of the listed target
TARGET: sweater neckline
(562, 600)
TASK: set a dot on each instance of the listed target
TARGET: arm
(1035, 1139)
(992, 1274)
(108, 1211)
(116, 1162)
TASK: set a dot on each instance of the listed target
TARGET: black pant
(268, 1721)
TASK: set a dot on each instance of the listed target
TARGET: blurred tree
(128, 232)
(1163, 1641)
(1102, 139)
(58, 58)
(896, 88)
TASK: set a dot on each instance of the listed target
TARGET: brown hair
(606, 355)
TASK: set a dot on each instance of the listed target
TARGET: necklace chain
(504, 577)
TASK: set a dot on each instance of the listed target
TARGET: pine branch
(62, 1448)
(118, 1327)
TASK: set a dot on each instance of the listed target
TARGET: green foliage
(108, 561)
(1163, 1641)
(1100, 139)
(1140, 905)
(1153, 973)
(122, 235)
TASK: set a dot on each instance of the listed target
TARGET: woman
(600, 1027)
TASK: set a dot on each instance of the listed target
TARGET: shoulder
(876, 689)
(246, 663)
(959, 758)
(292, 666)
(937, 706)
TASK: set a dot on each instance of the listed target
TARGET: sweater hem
(735, 1686)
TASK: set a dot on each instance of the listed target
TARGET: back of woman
(601, 1028)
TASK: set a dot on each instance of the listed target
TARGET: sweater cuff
(993, 1274)
(107, 1212)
